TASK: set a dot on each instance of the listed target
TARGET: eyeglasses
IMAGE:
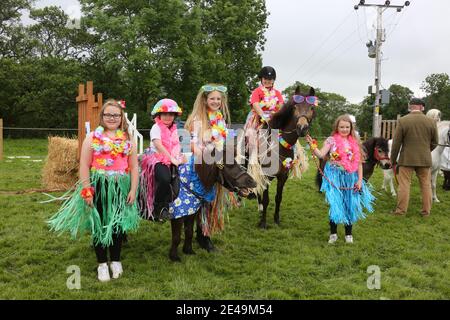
(309, 99)
(115, 116)
(209, 88)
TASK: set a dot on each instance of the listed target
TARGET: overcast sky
(323, 43)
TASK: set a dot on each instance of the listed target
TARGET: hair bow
(122, 103)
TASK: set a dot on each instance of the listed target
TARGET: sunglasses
(309, 99)
(209, 88)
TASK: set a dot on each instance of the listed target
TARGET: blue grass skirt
(346, 206)
(187, 203)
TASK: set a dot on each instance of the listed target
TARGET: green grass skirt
(111, 192)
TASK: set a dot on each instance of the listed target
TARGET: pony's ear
(297, 90)
(312, 92)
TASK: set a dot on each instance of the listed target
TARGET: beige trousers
(404, 184)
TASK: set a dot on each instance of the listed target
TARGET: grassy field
(292, 261)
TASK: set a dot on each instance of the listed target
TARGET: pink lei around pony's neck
(348, 154)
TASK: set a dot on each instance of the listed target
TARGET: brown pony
(293, 120)
(230, 175)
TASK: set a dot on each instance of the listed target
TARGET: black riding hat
(267, 73)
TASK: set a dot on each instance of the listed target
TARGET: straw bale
(61, 165)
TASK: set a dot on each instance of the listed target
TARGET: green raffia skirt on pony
(110, 197)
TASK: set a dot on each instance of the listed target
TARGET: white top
(155, 133)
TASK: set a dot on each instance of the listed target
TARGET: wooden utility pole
(376, 128)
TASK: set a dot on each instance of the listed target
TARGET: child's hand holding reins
(358, 186)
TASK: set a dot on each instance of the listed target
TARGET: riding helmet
(267, 73)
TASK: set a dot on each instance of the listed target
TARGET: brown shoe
(425, 214)
(397, 213)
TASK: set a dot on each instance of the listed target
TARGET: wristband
(87, 193)
(313, 144)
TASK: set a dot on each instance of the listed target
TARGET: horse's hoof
(277, 221)
(262, 225)
(188, 251)
(174, 258)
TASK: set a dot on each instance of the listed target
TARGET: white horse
(444, 137)
(434, 114)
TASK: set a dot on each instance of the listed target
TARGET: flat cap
(416, 102)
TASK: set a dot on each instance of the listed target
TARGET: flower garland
(270, 101)
(347, 153)
(283, 142)
(117, 146)
(219, 131)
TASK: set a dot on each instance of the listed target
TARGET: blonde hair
(346, 118)
(200, 111)
(114, 103)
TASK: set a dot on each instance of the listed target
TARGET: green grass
(292, 261)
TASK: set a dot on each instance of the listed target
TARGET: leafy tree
(170, 48)
(438, 88)
(12, 34)
(398, 102)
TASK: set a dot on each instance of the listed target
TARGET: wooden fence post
(88, 110)
(1, 139)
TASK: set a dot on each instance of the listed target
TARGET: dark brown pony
(293, 120)
(230, 175)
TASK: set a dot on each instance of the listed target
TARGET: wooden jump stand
(88, 110)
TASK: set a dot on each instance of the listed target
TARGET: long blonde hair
(346, 118)
(200, 111)
(114, 103)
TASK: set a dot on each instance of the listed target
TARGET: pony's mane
(207, 174)
(281, 118)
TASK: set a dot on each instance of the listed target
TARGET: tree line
(142, 51)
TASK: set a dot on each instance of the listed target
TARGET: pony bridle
(377, 155)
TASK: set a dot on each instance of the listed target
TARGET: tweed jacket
(415, 137)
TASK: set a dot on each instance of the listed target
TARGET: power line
(315, 65)
(318, 48)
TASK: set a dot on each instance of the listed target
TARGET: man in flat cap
(415, 137)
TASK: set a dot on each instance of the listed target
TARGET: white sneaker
(349, 239)
(103, 272)
(116, 269)
(333, 238)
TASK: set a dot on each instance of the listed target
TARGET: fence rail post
(1, 139)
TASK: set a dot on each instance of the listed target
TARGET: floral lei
(219, 130)
(348, 155)
(118, 146)
(270, 101)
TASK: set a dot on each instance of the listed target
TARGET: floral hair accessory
(87, 193)
(122, 104)
(166, 105)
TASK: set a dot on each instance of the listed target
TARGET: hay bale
(61, 165)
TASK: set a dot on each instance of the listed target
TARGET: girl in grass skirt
(345, 191)
(104, 199)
